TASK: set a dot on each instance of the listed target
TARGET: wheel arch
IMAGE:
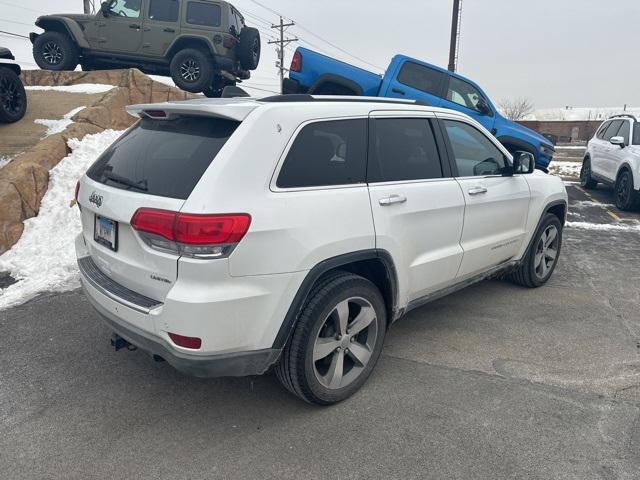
(189, 42)
(634, 175)
(52, 23)
(337, 80)
(374, 265)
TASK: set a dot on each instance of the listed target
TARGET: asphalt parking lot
(493, 382)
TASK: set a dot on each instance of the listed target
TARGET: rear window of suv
(206, 14)
(166, 158)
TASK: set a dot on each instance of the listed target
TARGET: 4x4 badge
(96, 199)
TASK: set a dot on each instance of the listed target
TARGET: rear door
(415, 81)
(417, 206)
(160, 26)
(466, 98)
(121, 31)
(156, 165)
(497, 206)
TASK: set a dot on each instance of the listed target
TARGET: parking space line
(594, 200)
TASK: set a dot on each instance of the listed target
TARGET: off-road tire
(192, 70)
(526, 275)
(586, 180)
(55, 51)
(249, 48)
(13, 98)
(295, 369)
(627, 198)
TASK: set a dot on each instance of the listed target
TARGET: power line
(17, 23)
(14, 34)
(20, 6)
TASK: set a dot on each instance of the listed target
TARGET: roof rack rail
(625, 115)
(304, 97)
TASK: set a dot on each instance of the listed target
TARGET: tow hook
(119, 343)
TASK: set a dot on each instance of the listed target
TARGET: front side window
(625, 131)
(125, 8)
(612, 131)
(164, 10)
(163, 157)
(205, 14)
(421, 78)
(464, 94)
(474, 153)
(403, 149)
(327, 154)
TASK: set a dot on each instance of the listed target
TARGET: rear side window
(164, 10)
(163, 157)
(403, 149)
(636, 133)
(206, 14)
(327, 154)
(602, 129)
(421, 78)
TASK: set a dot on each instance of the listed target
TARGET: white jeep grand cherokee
(231, 236)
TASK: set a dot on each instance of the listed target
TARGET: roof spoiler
(230, 109)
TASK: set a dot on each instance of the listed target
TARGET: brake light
(199, 236)
(296, 62)
(229, 41)
(193, 343)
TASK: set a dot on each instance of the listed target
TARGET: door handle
(135, 26)
(392, 200)
(477, 190)
(399, 92)
(169, 30)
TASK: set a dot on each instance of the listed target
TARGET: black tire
(192, 70)
(13, 98)
(55, 51)
(531, 273)
(627, 198)
(249, 48)
(586, 180)
(298, 371)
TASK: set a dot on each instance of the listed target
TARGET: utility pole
(455, 35)
(283, 42)
(89, 7)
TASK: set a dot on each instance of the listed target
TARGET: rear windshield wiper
(142, 186)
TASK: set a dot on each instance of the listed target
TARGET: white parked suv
(235, 235)
(613, 158)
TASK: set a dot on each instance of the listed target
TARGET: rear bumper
(205, 366)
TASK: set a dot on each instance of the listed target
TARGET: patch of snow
(566, 169)
(57, 126)
(44, 260)
(89, 88)
(4, 161)
(605, 227)
(589, 203)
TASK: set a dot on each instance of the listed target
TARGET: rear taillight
(77, 191)
(198, 236)
(193, 343)
(229, 41)
(296, 62)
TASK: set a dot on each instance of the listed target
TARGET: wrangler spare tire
(249, 48)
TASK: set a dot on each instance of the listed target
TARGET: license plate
(106, 232)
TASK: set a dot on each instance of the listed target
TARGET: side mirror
(523, 162)
(618, 141)
(483, 107)
(105, 9)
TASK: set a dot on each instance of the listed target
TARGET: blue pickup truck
(408, 78)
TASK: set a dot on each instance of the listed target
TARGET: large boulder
(24, 181)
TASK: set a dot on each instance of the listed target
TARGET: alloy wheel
(190, 70)
(623, 190)
(345, 343)
(546, 252)
(10, 97)
(52, 53)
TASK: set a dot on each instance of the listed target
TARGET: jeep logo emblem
(96, 199)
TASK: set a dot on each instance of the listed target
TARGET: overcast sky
(555, 52)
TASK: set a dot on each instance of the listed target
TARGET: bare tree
(516, 109)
